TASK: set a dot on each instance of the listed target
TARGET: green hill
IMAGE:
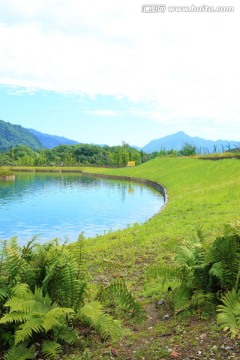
(13, 135)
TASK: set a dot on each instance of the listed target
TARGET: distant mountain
(51, 141)
(178, 140)
(13, 135)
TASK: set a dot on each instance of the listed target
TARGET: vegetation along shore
(168, 288)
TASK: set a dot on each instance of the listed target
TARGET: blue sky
(105, 72)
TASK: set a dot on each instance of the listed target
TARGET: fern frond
(26, 330)
(62, 280)
(165, 273)
(232, 229)
(80, 252)
(21, 290)
(226, 250)
(13, 264)
(54, 316)
(4, 293)
(20, 352)
(27, 302)
(81, 292)
(92, 310)
(107, 327)
(51, 350)
(118, 293)
(51, 271)
(92, 314)
(217, 270)
(182, 298)
(11, 318)
(186, 255)
(228, 316)
(13, 242)
(67, 276)
(66, 334)
(200, 299)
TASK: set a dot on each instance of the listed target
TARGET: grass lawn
(201, 195)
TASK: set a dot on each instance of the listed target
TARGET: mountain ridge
(178, 140)
(50, 141)
(13, 135)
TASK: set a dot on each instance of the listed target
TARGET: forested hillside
(73, 155)
(13, 135)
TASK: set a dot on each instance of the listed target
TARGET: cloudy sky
(106, 72)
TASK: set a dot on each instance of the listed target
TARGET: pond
(64, 205)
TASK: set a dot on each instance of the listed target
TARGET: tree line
(74, 155)
(84, 155)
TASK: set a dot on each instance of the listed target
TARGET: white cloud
(185, 64)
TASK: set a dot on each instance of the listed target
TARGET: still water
(64, 205)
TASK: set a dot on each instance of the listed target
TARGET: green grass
(202, 195)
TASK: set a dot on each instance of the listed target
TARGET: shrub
(44, 300)
(206, 273)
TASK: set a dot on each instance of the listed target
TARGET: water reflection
(59, 205)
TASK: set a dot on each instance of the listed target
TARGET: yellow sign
(131, 163)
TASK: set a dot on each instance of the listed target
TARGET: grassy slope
(202, 194)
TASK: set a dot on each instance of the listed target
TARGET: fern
(13, 264)
(26, 330)
(68, 334)
(12, 318)
(225, 251)
(42, 288)
(4, 293)
(182, 298)
(34, 313)
(20, 352)
(202, 300)
(165, 273)
(117, 293)
(79, 250)
(55, 316)
(228, 316)
(92, 314)
(51, 349)
(63, 279)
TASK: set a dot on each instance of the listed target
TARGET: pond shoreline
(155, 185)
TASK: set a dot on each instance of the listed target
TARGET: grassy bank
(202, 194)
